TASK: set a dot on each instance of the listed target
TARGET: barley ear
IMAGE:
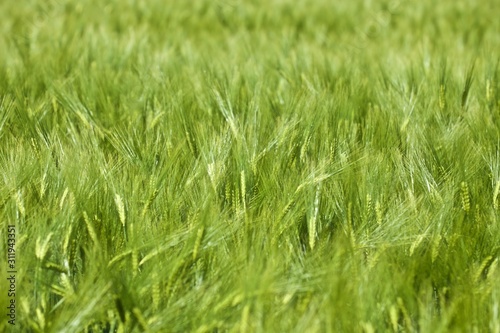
(243, 190)
(155, 291)
(393, 315)
(312, 227)
(495, 195)
(442, 97)
(90, 228)
(135, 262)
(199, 238)
(378, 212)
(41, 248)
(305, 146)
(20, 203)
(464, 195)
(489, 91)
(121, 208)
(244, 318)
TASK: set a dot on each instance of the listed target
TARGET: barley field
(250, 166)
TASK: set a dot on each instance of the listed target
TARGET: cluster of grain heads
(235, 193)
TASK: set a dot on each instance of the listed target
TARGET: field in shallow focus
(251, 166)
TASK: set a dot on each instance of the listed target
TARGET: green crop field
(249, 166)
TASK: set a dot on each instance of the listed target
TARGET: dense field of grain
(250, 166)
